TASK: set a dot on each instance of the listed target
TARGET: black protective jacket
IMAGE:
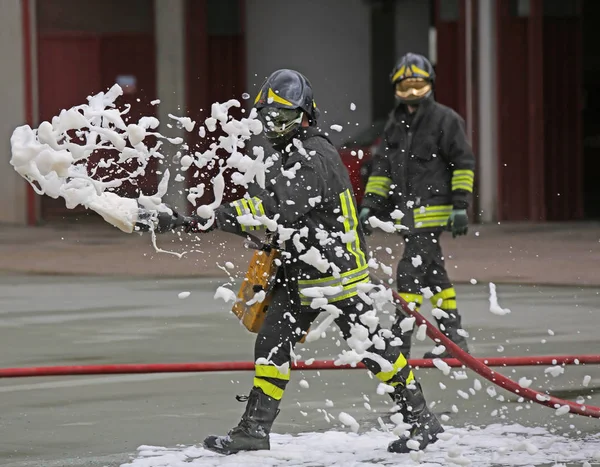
(310, 207)
(423, 167)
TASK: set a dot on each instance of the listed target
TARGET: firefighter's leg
(282, 328)
(410, 277)
(390, 366)
(448, 319)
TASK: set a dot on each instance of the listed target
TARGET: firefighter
(424, 167)
(326, 252)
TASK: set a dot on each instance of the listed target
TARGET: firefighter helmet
(281, 102)
(413, 78)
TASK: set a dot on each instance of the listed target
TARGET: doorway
(591, 110)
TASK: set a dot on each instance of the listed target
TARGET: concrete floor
(94, 421)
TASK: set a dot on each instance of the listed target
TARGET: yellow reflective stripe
(448, 298)
(377, 191)
(399, 73)
(447, 305)
(419, 71)
(276, 98)
(462, 186)
(463, 180)
(257, 206)
(412, 297)
(238, 209)
(398, 365)
(244, 203)
(333, 281)
(268, 388)
(432, 216)
(450, 292)
(379, 185)
(271, 371)
(426, 224)
(350, 224)
(380, 179)
(348, 291)
(252, 206)
(428, 212)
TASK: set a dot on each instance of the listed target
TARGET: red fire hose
(131, 368)
(485, 371)
(479, 365)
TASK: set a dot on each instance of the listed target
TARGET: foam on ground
(506, 445)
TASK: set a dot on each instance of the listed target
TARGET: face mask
(412, 89)
(279, 124)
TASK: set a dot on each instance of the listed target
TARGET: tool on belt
(251, 306)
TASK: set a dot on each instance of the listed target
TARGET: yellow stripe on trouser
(445, 300)
(379, 186)
(269, 371)
(463, 180)
(398, 365)
(415, 298)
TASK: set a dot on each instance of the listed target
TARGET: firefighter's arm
(290, 196)
(379, 183)
(459, 155)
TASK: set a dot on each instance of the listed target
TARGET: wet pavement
(96, 421)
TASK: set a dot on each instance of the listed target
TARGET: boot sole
(229, 452)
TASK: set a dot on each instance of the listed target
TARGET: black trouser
(422, 266)
(412, 275)
(285, 325)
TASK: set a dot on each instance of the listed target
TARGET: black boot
(450, 326)
(252, 433)
(425, 427)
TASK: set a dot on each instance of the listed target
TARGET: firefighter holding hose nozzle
(325, 257)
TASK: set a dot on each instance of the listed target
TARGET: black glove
(160, 222)
(458, 222)
(192, 224)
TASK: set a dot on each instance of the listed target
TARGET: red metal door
(132, 55)
(74, 65)
(563, 83)
(69, 71)
(450, 87)
(514, 78)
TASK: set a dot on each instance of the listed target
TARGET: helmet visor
(412, 88)
(279, 122)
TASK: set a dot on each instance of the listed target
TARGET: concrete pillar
(333, 52)
(13, 189)
(469, 68)
(170, 74)
(488, 111)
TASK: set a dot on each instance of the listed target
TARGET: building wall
(328, 41)
(413, 20)
(12, 96)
